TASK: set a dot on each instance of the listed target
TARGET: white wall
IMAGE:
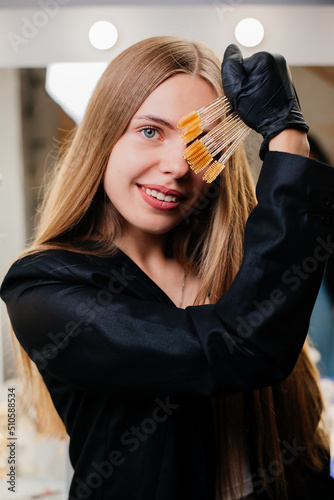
(12, 217)
(36, 36)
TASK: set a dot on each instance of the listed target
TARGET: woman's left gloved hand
(260, 90)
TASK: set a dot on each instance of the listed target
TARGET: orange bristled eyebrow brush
(224, 137)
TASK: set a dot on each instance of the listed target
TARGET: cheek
(126, 162)
(109, 178)
(114, 177)
(118, 167)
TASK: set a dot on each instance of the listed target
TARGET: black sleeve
(249, 339)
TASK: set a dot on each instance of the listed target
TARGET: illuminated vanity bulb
(103, 35)
(249, 32)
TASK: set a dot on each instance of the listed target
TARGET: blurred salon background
(51, 54)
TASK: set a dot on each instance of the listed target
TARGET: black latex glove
(260, 90)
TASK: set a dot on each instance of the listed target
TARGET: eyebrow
(156, 119)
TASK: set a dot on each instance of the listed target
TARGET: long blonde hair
(77, 215)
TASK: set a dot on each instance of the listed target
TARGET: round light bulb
(249, 32)
(103, 35)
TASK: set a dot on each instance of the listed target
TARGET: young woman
(162, 335)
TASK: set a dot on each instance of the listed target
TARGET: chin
(158, 230)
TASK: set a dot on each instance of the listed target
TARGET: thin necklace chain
(182, 287)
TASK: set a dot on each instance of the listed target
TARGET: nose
(173, 162)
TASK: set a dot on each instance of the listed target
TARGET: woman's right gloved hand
(260, 90)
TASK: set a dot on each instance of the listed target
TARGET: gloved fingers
(260, 90)
(264, 65)
(233, 75)
(232, 52)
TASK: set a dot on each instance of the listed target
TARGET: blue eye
(149, 132)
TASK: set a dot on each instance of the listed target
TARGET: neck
(147, 250)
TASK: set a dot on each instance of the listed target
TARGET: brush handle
(260, 90)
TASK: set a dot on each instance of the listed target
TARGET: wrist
(290, 141)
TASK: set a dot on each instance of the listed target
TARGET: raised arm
(98, 325)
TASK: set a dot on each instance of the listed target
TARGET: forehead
(178, 96)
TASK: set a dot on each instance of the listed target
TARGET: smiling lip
(160, 204)
(163, 190)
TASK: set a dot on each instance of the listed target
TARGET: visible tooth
(160, 196)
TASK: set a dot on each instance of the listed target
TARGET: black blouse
(131, 374)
